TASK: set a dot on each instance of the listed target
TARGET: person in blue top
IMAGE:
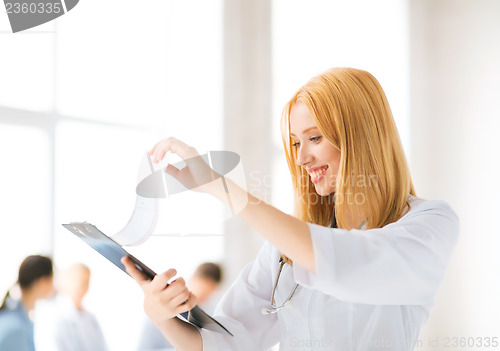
(35, 282)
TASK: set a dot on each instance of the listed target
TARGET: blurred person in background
(35, 281)
(204, 283)
(64, 324)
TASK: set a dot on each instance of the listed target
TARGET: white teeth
(316, 174)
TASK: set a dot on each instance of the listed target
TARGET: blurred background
(82, 99)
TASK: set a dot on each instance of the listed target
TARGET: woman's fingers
(188, 304)
(132, 270)
(162, 300)
(162, 148)
(151, 152)
(196, 174)
(165, 302)
(170, 294)
(160, 281)
(173, 171)
(180, 297)
(173, 145)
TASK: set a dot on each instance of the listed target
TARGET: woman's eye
(311, 139)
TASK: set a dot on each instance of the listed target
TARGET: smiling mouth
(317, 174)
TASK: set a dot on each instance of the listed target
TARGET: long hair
(351, 111)
(31, 270)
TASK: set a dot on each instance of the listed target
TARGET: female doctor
(358, 264)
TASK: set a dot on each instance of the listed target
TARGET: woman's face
(314, 152)
(45, 287)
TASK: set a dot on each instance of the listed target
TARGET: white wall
(455, 118)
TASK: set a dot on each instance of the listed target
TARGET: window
(82, 98)
(25, 188)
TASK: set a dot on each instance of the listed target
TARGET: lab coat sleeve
(240, 309)
(402, 263)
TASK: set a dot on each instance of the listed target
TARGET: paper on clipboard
(144, 217)
(154, 183)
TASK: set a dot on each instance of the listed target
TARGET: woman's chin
(323, 191)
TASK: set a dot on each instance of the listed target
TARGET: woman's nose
(303, 156)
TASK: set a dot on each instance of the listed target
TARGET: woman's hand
(162, 301)
(196, 175)
(289, 234)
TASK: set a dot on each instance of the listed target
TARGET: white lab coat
(373, 289)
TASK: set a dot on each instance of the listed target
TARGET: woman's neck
(28, 299)
(78, 303)
(356, 221)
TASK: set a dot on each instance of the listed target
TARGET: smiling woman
(357, 266)
(349, 109)
(314, 153)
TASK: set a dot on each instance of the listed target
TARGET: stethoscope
(288, 303)
(272, 308)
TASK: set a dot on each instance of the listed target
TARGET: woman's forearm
(290, 235)
(182, 335)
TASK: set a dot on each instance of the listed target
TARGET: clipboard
(111, 250)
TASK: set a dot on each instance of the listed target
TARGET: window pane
(159, 61)
(25, 205)
(27, 67)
